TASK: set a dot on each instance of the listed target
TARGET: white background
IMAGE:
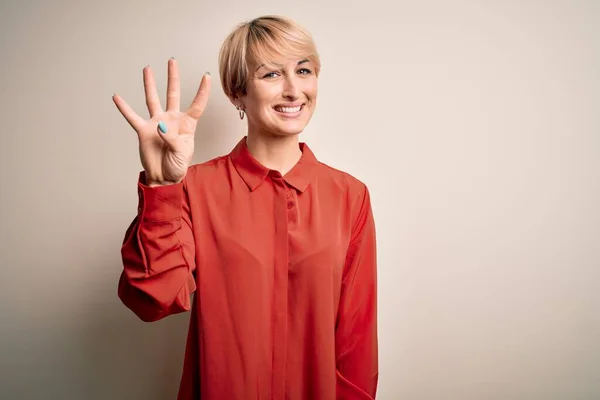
(475, 125)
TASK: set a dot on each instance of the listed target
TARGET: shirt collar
(254, 173)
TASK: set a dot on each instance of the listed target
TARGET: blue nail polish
(162, 127)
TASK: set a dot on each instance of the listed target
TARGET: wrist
(155, 183)
(162, 183)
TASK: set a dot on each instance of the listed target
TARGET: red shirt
(283, 269)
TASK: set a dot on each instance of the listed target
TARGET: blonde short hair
(255, 42)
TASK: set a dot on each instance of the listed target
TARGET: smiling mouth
(289, 110)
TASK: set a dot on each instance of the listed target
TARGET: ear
(236, 100)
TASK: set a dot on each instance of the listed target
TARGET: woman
(277, 248)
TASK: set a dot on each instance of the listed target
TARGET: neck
(279, 153)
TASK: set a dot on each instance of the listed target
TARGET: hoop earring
(241, 111)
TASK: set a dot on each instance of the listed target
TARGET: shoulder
(344, 181)
(200, 172)
(353, 190)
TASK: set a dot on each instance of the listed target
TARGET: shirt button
(290, 204)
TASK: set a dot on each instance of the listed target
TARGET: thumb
(163, 131)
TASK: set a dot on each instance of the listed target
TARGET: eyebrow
(299, 63)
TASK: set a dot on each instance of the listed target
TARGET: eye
(304, 71)
(270, 75)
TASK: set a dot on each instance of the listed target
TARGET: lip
(290, 105)
(290, 115)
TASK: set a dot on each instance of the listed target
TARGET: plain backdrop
(475, 124)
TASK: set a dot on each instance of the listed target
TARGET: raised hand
(166, 140)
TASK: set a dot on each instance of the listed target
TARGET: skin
(166, 156)
(272, 136)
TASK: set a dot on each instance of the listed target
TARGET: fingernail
(207, 73)
(172, 58)
(162, 127)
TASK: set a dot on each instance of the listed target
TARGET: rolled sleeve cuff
(159, 203)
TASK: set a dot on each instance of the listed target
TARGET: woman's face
(282, 100)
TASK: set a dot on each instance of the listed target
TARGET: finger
(199, 104)
(163, 131)
(173, 86)
(131, 116)
(152, 100)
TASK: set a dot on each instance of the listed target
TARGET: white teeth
(288, 109)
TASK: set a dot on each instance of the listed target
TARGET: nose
(290, 87)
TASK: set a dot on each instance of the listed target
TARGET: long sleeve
(158, 254)
(356, 327)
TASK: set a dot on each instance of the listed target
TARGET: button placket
(290, 201)
(292, 207)
(280, 291)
